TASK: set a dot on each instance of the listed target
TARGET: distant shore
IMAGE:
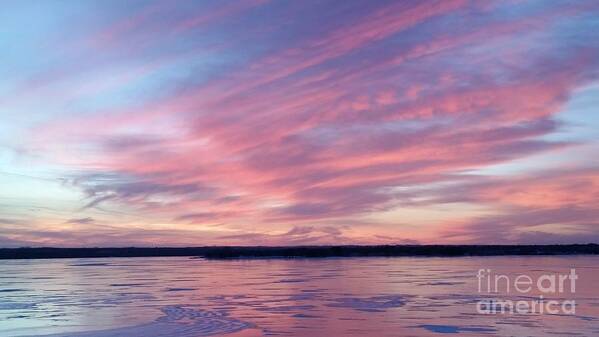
(231, 252)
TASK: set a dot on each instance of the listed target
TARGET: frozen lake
(184, 297)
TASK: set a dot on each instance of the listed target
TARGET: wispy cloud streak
(321, 122)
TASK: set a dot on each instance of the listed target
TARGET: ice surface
(377, 303)
(454, 329)
(177, 321)
(353, 297)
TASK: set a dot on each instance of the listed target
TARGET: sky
(189, 123)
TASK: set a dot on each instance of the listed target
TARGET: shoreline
(264, 252)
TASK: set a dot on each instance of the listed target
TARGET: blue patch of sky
(580, 120)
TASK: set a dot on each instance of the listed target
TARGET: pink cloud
(330, 127)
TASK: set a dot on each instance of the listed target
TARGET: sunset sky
(258, 122)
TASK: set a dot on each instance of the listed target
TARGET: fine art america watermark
(555, 285)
